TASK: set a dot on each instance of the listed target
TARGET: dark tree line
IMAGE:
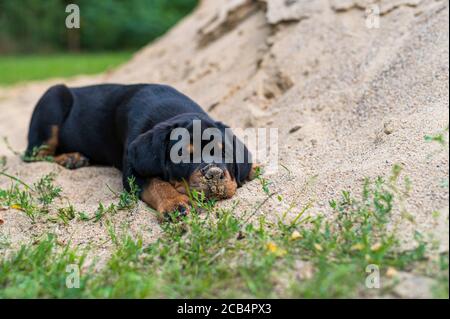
(28, 26)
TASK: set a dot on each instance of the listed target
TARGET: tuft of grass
(19, 199)
(442, 139)
(35, 157)
(441, 288)
(33, 200)
(103, 211)
(22, 68)
(46, 191)
(129, 199)
(265, 183)
(438, 138)
(29, 157)
(39, 271)
(84, 217)
(66, 214)
(356, 237)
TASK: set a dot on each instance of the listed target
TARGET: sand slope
(349, 103)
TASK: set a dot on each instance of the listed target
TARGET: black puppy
(129, 127)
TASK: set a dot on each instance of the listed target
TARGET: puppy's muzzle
(213, 172)
(214, 181)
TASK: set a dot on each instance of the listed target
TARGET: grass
(17, 69)
(216, 254)
(32, 200)
(439, 138)
(45, 189)
(40, 268)
(128, 199)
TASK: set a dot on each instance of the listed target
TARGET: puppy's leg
(158, 194)
(42, 148)
(72, 160)
(163, 197)
(48, 117)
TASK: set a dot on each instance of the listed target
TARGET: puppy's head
(193, 151)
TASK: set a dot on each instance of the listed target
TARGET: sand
(349, 102)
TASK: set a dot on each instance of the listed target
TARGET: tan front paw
(72, 160)
(178, 204)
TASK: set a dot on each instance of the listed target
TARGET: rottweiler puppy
(130, 127)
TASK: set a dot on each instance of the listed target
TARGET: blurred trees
(39, 25)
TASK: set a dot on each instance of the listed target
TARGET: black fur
(126, 126)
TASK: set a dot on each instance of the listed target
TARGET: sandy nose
(213, 172)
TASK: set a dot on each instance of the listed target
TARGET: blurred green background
(35, 43)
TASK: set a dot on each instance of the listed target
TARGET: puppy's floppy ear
(146, 154)
(242, 159)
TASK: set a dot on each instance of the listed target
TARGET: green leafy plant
(439, 137)
(265, 183)
(19, 199)
(45, 189)
(66, 214)
(33, 200)
(40, 271)
(103, 211)
(128, 200)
